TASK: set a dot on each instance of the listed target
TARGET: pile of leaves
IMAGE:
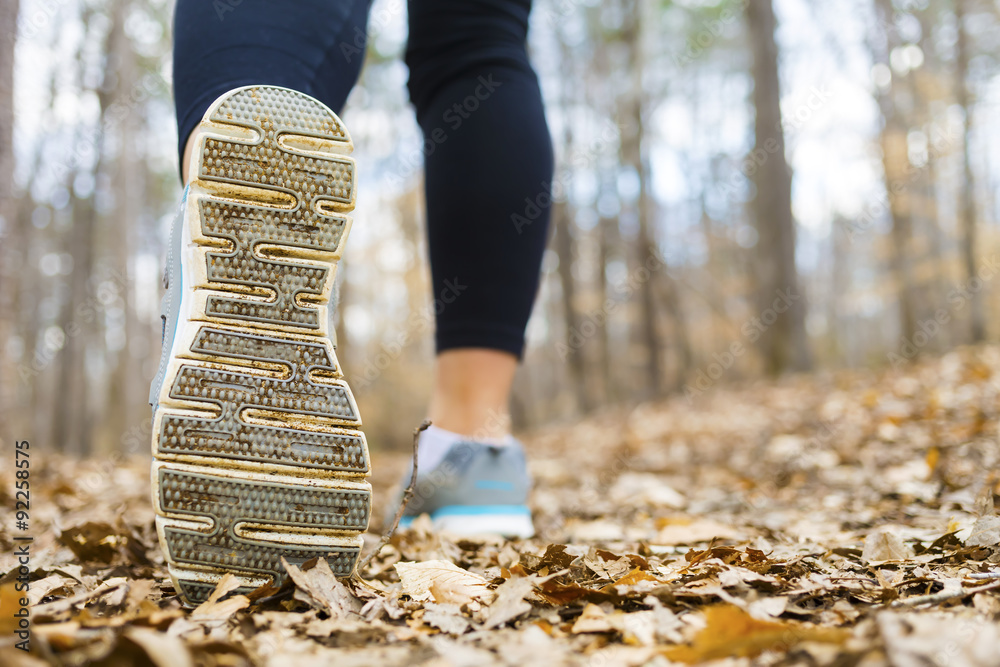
(828, 520)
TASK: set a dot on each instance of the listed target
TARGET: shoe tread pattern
(258, 427)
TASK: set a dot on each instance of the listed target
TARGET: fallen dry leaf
(10, 604)
(94, 541)
(510, 601)
(645, 489)
(630, 579)
(695, 532)
(52, 584)
(730, 631)
(985, 532)
(447, 618)
(442, 581)
(918, 640)
(217, 609)
(161, 649)
(53, 609)
(883, 545)
(12, 657)
(322, 590)
(593, 619)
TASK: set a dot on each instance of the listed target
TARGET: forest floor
(839, 519)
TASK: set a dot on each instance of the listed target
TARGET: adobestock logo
(453, 117)
(593, 322)
(929, 328)
(752, 329)
(419, 321)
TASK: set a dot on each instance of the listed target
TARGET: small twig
(945, 595)
(65, 604)
(984, 575)
(407, 495)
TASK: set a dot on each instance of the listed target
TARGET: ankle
(471, 391)
(484, 423)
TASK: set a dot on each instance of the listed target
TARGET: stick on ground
(944, 596)
(407, 494)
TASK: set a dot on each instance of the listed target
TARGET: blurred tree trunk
(895, 162)
(933, 284)
(12, 250)
(607, 235)
(632, 146)
(573, 353)
(26, 290)
(783, 341)
(840, 283)
(599, 95)
(576, 339)
(663, 289)
(663, 292)
(930, 90)
(121, 231)
(83, 329)
(72, 398)
(8, 18)
(966, 199)
(669, 295)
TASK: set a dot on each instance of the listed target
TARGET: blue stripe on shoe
(480, 510)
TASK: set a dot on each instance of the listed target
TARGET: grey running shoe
(256, 442)
(477, 489)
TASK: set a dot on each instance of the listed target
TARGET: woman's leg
(313, 46)
(488, 177)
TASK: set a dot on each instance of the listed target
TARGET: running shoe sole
(257, 447)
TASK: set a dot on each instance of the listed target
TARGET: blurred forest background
(744, 188)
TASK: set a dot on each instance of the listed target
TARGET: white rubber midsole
(469, 525)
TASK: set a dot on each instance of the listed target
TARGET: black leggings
(487, 148)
